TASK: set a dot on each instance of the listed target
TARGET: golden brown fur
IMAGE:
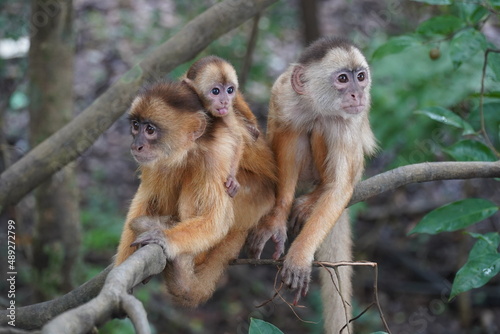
(182, 191)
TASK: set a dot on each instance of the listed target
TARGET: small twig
(325, 265)
(339, 291)
(481, 103)
(377, 302)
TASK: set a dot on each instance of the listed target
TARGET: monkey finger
(279, 246)
(154, 236)
(257, 246)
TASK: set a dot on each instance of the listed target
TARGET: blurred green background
(409, 78)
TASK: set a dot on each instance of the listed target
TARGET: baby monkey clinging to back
(216, 83)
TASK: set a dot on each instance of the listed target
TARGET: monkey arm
(205, 212)
(232, 183)
(328, 208)
(286, 145)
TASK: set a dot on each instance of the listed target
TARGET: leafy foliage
(258, 326)
(455, 216)
(483, 264)
(469, 120)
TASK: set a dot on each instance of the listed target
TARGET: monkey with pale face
(216, 83)
(319, 130)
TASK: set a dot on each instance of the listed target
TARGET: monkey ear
(189, 82)
(297, 80)
(201, 128)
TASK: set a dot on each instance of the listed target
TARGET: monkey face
(336, 85)
(220, 98)
(351, 86)
(145, 142)
(165, 121)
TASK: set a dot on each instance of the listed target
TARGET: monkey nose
(137, 147)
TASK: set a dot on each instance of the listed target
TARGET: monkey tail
(336, 285)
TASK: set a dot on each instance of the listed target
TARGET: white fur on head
(322, 96)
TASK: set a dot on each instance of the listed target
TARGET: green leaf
(478, 14)
(483, 264)
(494, 64)
(470, 150)
(465, 45)
(395, 45)
(486, 244)
(440, 25)
(258, 326)
(448, 117)
(455, 216)
(436, 2)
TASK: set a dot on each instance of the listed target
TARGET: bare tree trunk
(57, 229)
(310, 22)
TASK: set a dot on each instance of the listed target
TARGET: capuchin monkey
(319, 131)
(216, 83)
(185, 157)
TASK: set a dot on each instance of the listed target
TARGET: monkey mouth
(353, 109)
(143, 158)
(222, 111)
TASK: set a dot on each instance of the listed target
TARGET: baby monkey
(216, 83)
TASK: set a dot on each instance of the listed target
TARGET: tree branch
(114, 298)
(423, 172)
(77, 136)
(36, 315)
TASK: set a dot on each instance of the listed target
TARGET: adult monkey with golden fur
(319, 130)
(181, 204)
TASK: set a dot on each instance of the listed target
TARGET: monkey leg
(192, 281)
(301, 210)
(336, 290)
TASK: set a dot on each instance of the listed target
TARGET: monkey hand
(254, 131)
(301, 211)
(296, 274)
(232, 185)
(153, 236)
(270, 227)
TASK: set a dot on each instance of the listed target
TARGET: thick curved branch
(423, 172)
(77, 136)
(36, 315)
(114, 298)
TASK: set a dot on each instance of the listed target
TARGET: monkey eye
(230, 90)
(343, 78)
(361, 76)
(135, 125)
(150, 129)
(215, 91)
